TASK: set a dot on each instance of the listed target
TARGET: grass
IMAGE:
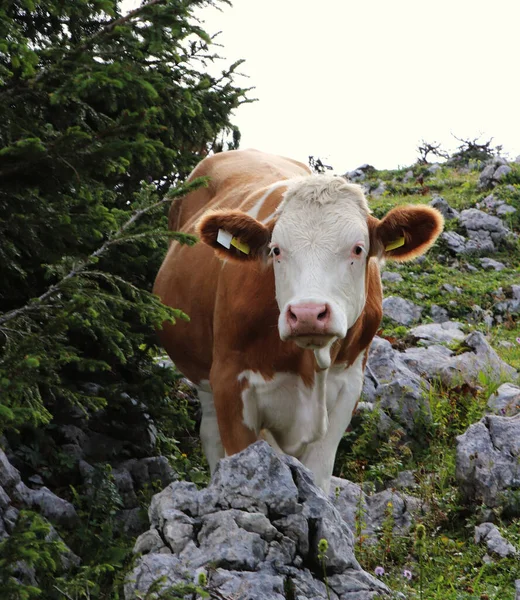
(446, 564)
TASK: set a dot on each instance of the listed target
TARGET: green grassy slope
(445, 564)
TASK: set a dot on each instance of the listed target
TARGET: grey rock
(517, 582)
(379, 190)
(405, 480)
(149, 541)
(490, 263)
(400, 310)
(501, 172)
(359, 174)
(408, 176)
(476, 221)
(515, 289)
(486, 176)
(482, 359)
(178, 530)
(493, 173)
(405, 402)
(480, 242)
(488, 463)
(5, 501)
(505, 209)
(150, 470)
(224, 544)
(36, 481)
(439, 333)
(9, 476)
(490, 535)
(428, 362)
(387, 365)
(434, 168)
(125, 486)
(506, 400)
(478, 316)
(245, 586)
(455, 242)
(510, 306)
(391, 277)
(452, 289)
(10, 517)
(444, 208)
(178, 496)
(254, 527)
(244, 487)
(56, 509)
(439, 314)
(366, 513)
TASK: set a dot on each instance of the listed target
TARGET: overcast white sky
(366, 81)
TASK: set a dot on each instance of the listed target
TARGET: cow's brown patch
(419, 225)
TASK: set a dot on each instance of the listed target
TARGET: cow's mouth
(313, 342)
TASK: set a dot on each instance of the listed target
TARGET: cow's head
(319, 242)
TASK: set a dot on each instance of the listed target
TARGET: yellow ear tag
(395, 244)
(240, 245)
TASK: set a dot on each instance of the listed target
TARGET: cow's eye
(358, 250)
(275, 250)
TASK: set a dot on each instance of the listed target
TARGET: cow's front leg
(320, 455)
(235, 434)
(209, 432)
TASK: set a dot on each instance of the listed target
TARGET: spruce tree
(103, 117)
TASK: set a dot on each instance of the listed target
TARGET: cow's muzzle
(309, 324)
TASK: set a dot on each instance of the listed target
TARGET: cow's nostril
(323, 314)
(292, 317)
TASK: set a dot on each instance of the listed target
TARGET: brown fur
(232, 304)
(419, 225)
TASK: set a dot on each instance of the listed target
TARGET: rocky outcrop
(488, 463)
(444, 208)
(493, 173)
(488, 533)
(16, 496)
(254, 531)
(365, 513)
(505, 401)
(400, 310)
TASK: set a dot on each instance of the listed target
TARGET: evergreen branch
(113, 24)
(115, 239)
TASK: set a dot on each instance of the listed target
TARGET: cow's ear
(234, 235)
(405, 232)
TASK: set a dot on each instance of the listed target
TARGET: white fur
(257, 207)
(286, 413)
(209, 431)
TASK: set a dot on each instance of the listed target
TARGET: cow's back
(189, 277)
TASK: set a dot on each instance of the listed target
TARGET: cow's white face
(319, 248)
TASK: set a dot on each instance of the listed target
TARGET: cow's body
(298, 392)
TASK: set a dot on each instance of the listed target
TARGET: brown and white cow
(284, 298)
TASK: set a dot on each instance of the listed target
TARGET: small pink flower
(518, 340)
(379, 571)
(407, 574)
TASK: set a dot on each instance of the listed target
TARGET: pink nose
(308, 318)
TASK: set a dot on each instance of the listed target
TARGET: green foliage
(103, 117)
(28, 557)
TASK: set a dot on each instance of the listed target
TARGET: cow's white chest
(288, 409)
